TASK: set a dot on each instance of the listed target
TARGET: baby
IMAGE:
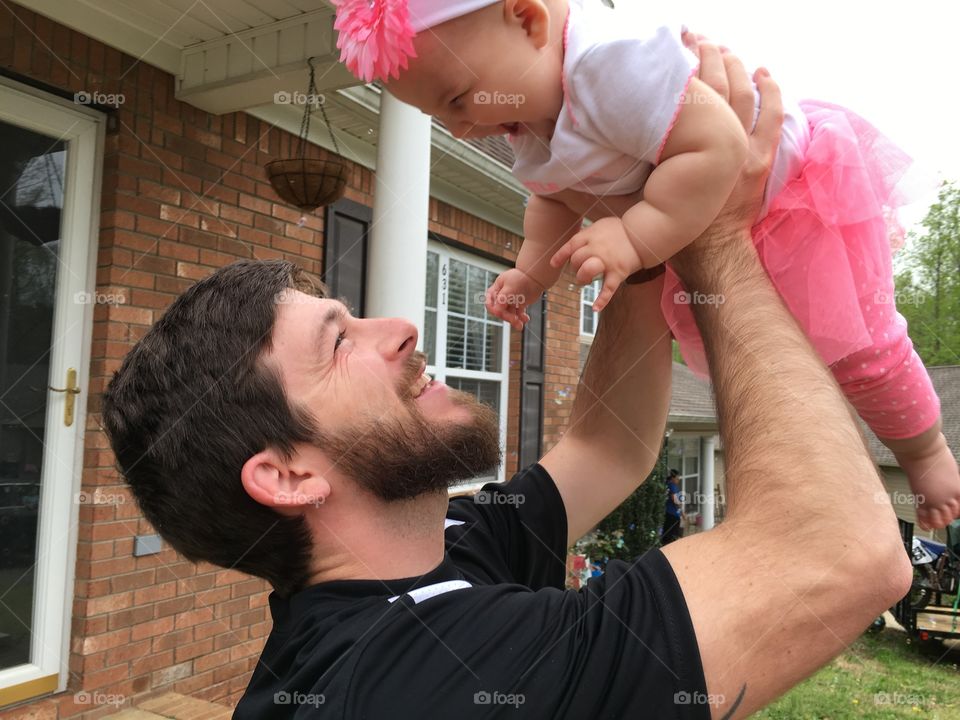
(609, 123)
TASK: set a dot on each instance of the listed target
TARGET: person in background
(674, 511)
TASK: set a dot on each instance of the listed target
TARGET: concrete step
(174, 706)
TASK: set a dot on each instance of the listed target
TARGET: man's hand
(726, 74)
(603, 248)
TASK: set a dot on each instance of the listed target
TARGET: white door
(50, 157)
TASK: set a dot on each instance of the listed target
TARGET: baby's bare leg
(932, 471)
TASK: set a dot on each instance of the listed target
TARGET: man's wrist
(646, 274)
(721, 256)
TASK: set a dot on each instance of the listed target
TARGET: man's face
(381, 421)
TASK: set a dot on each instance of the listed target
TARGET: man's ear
(283, 484)
(533, 16)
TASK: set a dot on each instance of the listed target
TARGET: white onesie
(623, 82)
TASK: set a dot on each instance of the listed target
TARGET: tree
(928, 288)
(633, 527)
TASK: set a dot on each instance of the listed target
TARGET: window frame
(585, 304)
(688, 477)
(439, 371)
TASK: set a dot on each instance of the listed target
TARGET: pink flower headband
(376, 36)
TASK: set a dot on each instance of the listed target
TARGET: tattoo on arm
(736, 703)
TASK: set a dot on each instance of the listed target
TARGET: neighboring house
(692, 441)
(133, 139)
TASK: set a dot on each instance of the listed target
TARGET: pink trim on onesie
(676, 115)
(563, 72)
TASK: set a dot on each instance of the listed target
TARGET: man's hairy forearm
(624, 395)
(781, 413)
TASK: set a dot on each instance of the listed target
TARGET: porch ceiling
(237, 55)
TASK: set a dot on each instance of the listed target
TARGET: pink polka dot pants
(887, 383)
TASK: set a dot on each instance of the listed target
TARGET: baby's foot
(934, 479)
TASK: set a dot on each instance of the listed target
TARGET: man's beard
(403, 458)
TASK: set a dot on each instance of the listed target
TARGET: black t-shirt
(488, 633)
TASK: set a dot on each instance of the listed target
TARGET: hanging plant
(309, 183)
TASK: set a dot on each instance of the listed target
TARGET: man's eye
(340, 339)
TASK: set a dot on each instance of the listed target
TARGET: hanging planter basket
(308, 183)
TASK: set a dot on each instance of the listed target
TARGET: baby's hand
(601, 249)
(511, 294)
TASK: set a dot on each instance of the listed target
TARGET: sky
(896, 64)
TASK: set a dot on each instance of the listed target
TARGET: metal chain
(312, 94)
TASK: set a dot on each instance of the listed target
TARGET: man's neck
(361, 538)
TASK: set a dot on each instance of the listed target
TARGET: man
(295, 442)
(673, 511)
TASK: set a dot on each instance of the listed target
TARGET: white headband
(430, 13)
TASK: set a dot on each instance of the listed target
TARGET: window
(683, 455)
(466, 347)
(588, 317)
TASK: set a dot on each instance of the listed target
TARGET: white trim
(83, 130)
(439, 370)
(431, 591)
(596, 284)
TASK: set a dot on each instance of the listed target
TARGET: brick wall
(183, 194)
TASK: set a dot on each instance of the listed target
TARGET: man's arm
(616, 428)
(807, 555)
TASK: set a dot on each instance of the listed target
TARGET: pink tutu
(828, 239)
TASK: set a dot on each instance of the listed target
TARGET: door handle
(72, 391)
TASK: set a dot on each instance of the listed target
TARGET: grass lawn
(880, 676)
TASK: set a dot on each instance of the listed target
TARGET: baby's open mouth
(511, 128)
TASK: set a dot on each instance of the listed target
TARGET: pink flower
(376, 37)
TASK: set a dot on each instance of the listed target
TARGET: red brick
(162, 626)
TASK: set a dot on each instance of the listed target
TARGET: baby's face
(488, 73)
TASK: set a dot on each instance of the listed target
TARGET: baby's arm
(698, 169)
(547, 226)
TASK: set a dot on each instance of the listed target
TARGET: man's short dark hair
(192, 403)
(674, 473)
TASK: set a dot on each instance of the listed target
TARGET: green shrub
(633, 527)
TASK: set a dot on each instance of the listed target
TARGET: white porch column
(397, 249)
(707, 452)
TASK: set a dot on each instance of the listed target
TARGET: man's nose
(396, 338)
